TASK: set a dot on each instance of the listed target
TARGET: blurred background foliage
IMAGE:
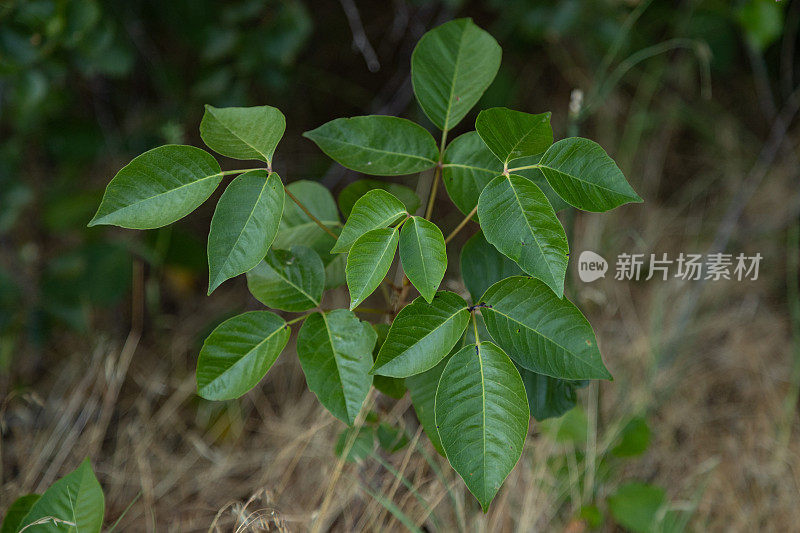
(87, 85)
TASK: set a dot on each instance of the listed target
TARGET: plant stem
(475, 327)
(312, 217)
(437, 175)
(298, 319)
(461, 224)
(239, 171)
(526, 167)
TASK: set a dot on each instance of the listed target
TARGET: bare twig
(360, 41)
(317, 221)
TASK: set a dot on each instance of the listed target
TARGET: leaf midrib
(377, 150)
(431, 332)
(494, 309)
(377, 264)
(533, 233)
(244, 356)
(150, 198)
(338, 369)
(295, 286)
(576, 178)
(265, 156)
(241, 231)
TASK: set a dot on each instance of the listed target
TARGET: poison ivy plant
(74, 503)
(474, 389)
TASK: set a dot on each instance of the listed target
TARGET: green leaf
(536, 176)
(350, 194)
(469, 166)
(159, 187)
(634, 440)
(482, 416)
(452, 65)
(422, 388)
(76, 498)
(541, 331)
(297, 228)
(377, 145)
(243, 132)
(17, 511)
(636, 506)
(363, 444)
(376, 209)
(549, 397)
(581, 172)
(238, 353)
(368, 262)
(423, 254)
(513, 134)
(335, 352)
(392, 387)
(422, 334)
(519, 221)
(482, 266)
(244, 225)
(335, 271)
(289, 281)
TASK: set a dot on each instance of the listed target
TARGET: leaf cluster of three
(471, 398)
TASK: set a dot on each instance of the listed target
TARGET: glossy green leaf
(76, 498)
(17, 511)
(288, 280)
(636, 506)
(452, 65)
(549, 397)
(376, 209)
(243, 132)
(238, 353)
(482, 416)
(422, 334)
(297, 227)
(422, 388)
(536, 176)
(335, 271)
(541, 331)
(581, 172)
(335, 352)
(244, 225)
(368, 262)
(482, 266)
(513, 134)
(519, 221)
(423, 254)
(159, 187)
(469, 166)
(376, 144)
(350, 194)
(392, 387)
